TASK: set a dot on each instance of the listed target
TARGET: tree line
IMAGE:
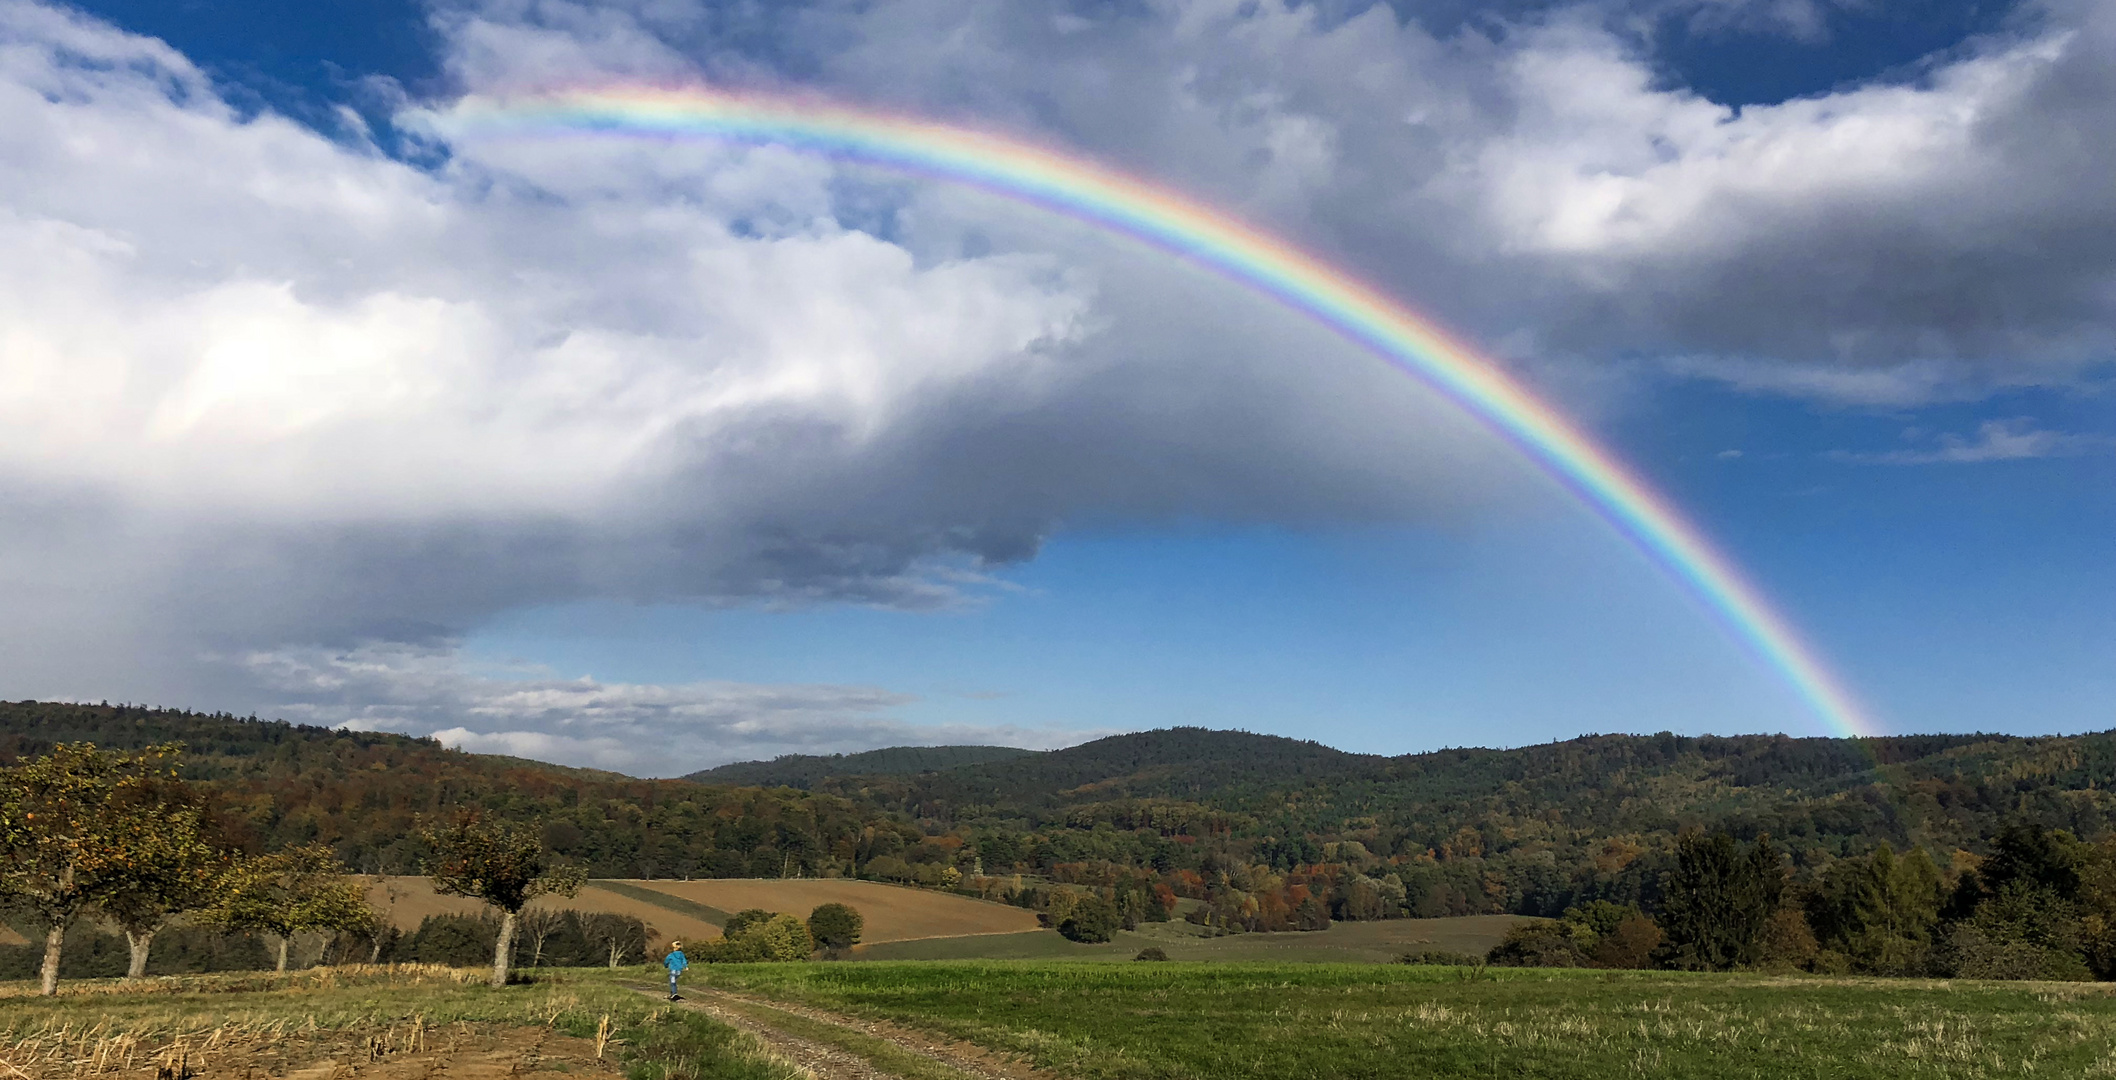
(2042, 906)
(91, 833)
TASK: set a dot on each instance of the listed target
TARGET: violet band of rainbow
(1122, 204)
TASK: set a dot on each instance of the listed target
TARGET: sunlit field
(1276, 1021)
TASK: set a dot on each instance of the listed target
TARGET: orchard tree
(71, 827)
(170, 866)
(502, 864)
(287, 892)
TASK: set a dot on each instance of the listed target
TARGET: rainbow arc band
(1121, 204)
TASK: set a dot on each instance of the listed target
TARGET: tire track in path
(805, 1036)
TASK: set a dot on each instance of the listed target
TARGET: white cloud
(642, 730)
(2017, 439)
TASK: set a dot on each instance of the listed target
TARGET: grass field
(1182, 1021)
(413, 1021)
(1348, 943)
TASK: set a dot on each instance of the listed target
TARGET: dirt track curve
(942, 1055)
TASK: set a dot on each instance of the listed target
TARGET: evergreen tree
(1718, 900)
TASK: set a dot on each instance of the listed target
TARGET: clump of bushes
(1152, 952)
(1438, 958)
(755, 935)
(1599, 935)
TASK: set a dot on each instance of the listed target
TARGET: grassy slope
(1155, 1021)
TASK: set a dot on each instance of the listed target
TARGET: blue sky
(1099, 494)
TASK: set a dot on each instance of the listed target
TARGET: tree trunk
(614, 946)
(374, 955)
(54, 939)
(284, 941)
(503, 950)
(139, 940)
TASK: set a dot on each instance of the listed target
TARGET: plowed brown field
(892, 912)
(407, 900)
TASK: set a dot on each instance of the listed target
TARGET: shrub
(1151, 952)
(740, 922)
(1438, 958)
(454, 940)
(748, 939)
(1545, 944)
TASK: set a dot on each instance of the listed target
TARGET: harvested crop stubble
(382, 1022)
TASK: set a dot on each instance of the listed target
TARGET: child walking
(676, 962)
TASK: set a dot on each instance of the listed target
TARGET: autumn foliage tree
(501, 863)
(288, 892)
(81, 827)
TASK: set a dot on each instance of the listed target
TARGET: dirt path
(805, 1035)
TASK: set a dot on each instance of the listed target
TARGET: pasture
(1176, 1021)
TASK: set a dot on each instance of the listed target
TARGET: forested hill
(367, 794)
(804, 770)
(1941, 791)
(1529, 829)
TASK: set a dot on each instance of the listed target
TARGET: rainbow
(1125, 205)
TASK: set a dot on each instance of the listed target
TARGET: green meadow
(1150, 1021)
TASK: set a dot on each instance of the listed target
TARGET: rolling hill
(805, 770)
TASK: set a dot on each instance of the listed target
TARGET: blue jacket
(676, 961)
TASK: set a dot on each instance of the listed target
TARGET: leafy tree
(1718, 900)
(1093, 920)
(835, 926)
(74, 826)
(1628, 944)
(502, 864)
(171, 867)
(287, 892)
(1311, 915)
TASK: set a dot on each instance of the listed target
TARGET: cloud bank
(276, 393)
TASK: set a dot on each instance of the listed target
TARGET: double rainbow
(1133, 208)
